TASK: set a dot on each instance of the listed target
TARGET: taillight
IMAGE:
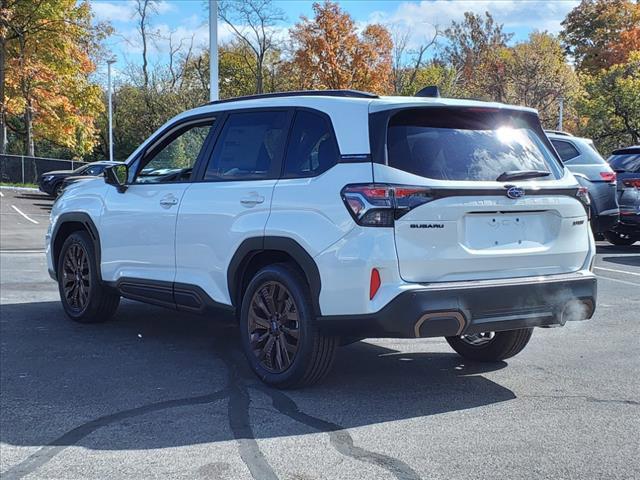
(632, 182)
(378, 205)
(583, 196)
(608, 176)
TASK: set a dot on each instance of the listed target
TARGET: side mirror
(117, 175)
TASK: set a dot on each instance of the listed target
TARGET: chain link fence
(24, 169)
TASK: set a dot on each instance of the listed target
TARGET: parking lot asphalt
(160, 394)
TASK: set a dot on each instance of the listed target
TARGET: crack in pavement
(239, 403)
(339, 436)
(240, 425)
(47, 452)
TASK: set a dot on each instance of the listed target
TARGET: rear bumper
(471, 307)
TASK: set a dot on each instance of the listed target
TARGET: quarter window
(312, 148)
(565, 150)
(249, 147)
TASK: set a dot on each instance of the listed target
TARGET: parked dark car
(582, 159)
(626, 163)
(52, 184)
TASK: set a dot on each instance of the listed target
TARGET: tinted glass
(312, 148)
(249, 147)
(175, 160)
(628, 163)
(565, 150)
(467, 144)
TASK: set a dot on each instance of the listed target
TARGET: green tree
(536, 74)
(611, 106)
(472, 49)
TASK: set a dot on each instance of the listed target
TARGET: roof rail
(300, 93)
(559, 132)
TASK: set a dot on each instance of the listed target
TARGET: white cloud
(514, 14)
(123, 10)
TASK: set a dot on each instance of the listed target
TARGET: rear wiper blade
(521, 175)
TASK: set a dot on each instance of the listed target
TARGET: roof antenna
(430, 91)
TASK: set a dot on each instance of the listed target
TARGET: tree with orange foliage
(46, 48)
(601, 33)
(330, 54)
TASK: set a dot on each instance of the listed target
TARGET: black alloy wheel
(76, 278)
(274, 328)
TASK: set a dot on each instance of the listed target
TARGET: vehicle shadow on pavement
(155, 378)
(41, 197)
(632, 261)
(613, 249)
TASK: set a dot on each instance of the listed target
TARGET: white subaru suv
(319, 218)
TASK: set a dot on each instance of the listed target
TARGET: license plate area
(507, 230)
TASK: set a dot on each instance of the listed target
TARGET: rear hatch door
(472, 226)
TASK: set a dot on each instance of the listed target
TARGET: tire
(57, 190)
(259, 327)
(503, 345)
(620, 239)
(91, 302)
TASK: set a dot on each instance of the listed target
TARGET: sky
(185, 19)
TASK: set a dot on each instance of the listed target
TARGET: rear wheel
(279, 334)
(491, 346)
(621, 239)
(83, 297)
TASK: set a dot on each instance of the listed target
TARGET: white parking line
(1, 194)
(24, 214)
(617, 271)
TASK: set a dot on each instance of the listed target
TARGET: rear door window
(312, 147)
(249, 147)
(565, 150)
(472, 144)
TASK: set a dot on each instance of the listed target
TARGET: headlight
(47, 178)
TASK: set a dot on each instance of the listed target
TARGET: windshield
(82, 168)
(467, 144)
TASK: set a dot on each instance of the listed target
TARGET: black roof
(299, 93)
(627, 150)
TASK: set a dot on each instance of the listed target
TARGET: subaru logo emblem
(515, 192)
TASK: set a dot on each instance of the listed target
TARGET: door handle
(252, 200)
(168, 201)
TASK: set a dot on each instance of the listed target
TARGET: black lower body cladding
(473, 307)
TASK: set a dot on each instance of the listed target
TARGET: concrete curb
(25, 189)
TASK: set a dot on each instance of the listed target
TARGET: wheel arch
(69, 223)
(256, 253)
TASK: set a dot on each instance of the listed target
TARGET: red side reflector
(375, 283)
(608, 176)
(635, 182)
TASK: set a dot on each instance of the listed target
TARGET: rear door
(467, 225)
(231, 198)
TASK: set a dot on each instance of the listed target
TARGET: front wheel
(491, 346)
(83, 297)
(620, 239)
(279, 334)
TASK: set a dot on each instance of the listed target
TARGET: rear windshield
(468, 144)
(628, 163)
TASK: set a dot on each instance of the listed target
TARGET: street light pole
(561, 113)
(110, 62)
(213, 50)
